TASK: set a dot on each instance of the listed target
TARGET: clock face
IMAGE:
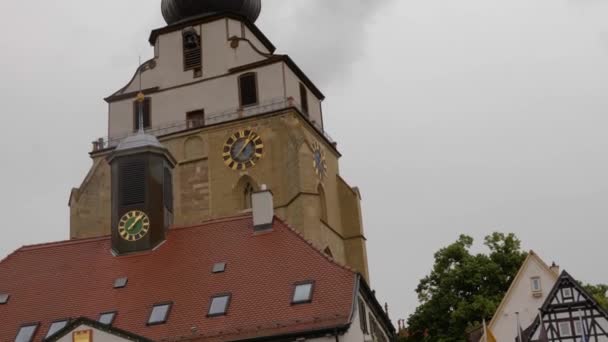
(134, 225)
(243, 150)
(319, 162)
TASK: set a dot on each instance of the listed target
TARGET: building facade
(527, 292)
(214, 77)
(214, 210)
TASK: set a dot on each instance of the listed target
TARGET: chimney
(263, 209)
(555, 268)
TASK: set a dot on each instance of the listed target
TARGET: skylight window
(220, 267)
(303, 293)
(121, 282)
(219, 305)
(4, 298)
(55, 327)
(159, 314)
(107, 318)
(26, 333)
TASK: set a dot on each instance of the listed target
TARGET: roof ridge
(217, 220)
(313, 247)
(61, 243)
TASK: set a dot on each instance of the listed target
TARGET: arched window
(322, 203)
(247, 193)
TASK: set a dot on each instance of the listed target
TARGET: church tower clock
(142, 192)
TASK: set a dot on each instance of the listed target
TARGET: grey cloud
(325, 37)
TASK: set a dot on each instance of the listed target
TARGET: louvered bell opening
(132, 183)
(192, 50)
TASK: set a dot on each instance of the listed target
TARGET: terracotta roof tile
(75, 279)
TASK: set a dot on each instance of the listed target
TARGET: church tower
(232, 115)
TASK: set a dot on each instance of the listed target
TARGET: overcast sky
(453, 117)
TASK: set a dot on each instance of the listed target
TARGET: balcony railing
(213, 119)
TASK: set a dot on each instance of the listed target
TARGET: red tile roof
(75, 278)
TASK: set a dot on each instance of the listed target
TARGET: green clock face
(134, 225)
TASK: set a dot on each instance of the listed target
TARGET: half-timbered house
(569, 314)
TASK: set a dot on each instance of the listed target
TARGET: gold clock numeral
(243, 150)
(134, 226)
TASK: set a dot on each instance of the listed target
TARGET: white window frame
(563, 332)
(578, 328)
(567, 292)
(534, 281)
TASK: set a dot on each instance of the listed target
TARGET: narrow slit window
(147, 109)
(363, 317)
(304, 98)
(107, 318)
(578, 328)
(247, 196)
(248, 89)
(26, 333)
(4, 298)
(159, 314)
(55, 327)
(302, 293)
(219, 305)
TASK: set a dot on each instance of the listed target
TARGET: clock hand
(247, 142)
(135, 222)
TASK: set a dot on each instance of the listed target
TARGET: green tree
(463, 288)
(600, 293)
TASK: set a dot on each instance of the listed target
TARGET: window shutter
(248, 89)
(192, 50)
(132, 183)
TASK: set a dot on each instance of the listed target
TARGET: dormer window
(248, 89)
(4, 298)
(26, 333)
(55, 327)
(192, 50)
(302, 293)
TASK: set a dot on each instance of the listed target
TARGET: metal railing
(213, 119)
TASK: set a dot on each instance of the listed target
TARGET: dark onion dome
(177, 10)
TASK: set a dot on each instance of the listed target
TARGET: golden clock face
(243, 150)
(134, 225)
(318, 160)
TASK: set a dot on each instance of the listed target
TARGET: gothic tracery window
(248, 192)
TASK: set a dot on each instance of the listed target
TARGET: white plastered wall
(216, 91)
(521, 299)
(215, 96)
(292, 86)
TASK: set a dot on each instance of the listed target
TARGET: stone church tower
(235, 116)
